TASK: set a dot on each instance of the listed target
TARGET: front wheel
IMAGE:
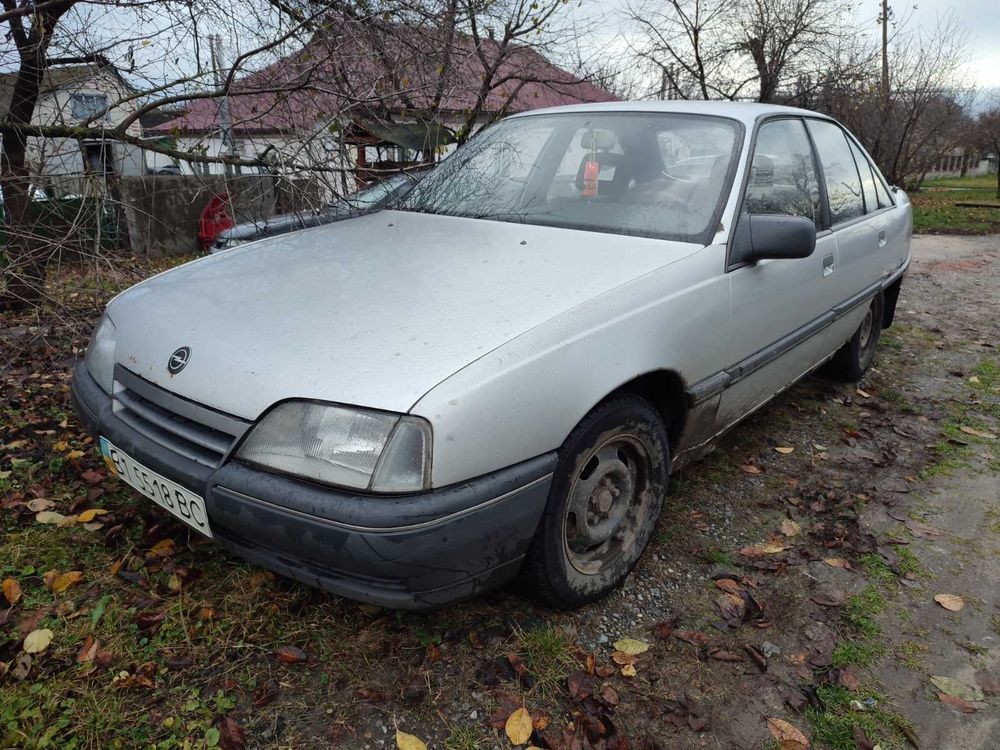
(605, 499)
(854, 358)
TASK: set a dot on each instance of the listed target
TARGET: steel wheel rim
(606, 502)
(865, 332)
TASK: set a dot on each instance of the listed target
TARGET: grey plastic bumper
(406, 552)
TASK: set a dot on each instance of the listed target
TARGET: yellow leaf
(11, 590)
(163, 548)
(73, 455)
(518, 726)
(61, 446)
(89, 515)
(406, 741)
(951, 602)
(835, 562)
(37, 641)
(628, 670)
(785, 450)
(64, 581)
(631, 646)
(49, 516)
(788, 737)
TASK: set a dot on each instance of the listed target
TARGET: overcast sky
(980, 17)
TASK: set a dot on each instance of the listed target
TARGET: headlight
(357, 448)
(100, 357)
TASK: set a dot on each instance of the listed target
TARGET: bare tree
(988, 131)
(385, 60)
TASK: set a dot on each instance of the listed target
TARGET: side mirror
(763, 236)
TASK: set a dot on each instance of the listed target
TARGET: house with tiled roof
(362, 99)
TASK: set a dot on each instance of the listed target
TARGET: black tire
(854, 358)
(619, 452)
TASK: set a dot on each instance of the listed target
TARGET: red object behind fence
(215, 219)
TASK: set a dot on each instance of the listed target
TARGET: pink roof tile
(359, 75)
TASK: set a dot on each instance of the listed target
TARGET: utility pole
(884, 20)
(225, 121)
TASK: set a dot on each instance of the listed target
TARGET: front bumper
(405, 552)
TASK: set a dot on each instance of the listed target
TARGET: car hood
(373, 311)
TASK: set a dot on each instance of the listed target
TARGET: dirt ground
(792, 579)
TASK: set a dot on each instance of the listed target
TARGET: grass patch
(934, 208)
(833, 725)
(877, 569)
(910, 655)
(862, 609)
(909, 563)
(862, 653)
(548, 654)
(462, 737)
(719, 557)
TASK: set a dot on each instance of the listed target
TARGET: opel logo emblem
(178, 360)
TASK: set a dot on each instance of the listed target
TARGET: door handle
(881, 238)
(828, 264)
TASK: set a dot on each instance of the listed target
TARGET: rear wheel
(854, 358)
(606, 495)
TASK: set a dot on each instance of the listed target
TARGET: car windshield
(373, 195)
(650, 175)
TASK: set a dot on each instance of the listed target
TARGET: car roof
(746, 112)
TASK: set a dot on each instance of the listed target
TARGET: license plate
(170, 496)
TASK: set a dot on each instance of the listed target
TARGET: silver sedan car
(498, 375)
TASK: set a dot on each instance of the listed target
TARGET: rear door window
(843, 183)
(867, 179)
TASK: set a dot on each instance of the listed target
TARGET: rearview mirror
(762, 236)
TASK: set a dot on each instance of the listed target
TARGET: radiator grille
(185, 427)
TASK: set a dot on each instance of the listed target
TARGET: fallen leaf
(957, 688)
(64, 581)
(849, 679)
(22, 667)
(628, 670)
(610, 695)
(694, 637)
(977, 433)
(406, 741)
(163, 548)
(790, 527)
(785, 450)
(951, 602)
(788, 737)
(37, 641)
(89, 515)
(231, 735)
(11, 590)
(88, 650)
(729, 586)
(988, 682)
(291, 654)
(759, 550)
(579, 685)
(631, 646)
(863, 394)
(39, 504)
(74, 455)
(50, 516)
(751, 469)
(955, 702)
(835, 562)
(518, 726)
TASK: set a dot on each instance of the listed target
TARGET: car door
(857, 236)
(779, 308)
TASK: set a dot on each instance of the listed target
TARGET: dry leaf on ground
(631, 646)
(785, 449)
(11, 590)
(957, 688)
(518, 726)
(790, 527)
(951, 602)
(977, 433)
(37, 640)
(406, 741)
(291, 654)
(64, 581)
(788, 737)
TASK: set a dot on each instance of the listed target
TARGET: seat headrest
(598, 140)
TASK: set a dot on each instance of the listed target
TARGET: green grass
(833, 725)
(718, 557)
(548, 655)
(462, 737)
(934, 208)
(860, 653)
(862, 610)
